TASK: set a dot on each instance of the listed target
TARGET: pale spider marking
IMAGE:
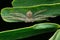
(29, 17)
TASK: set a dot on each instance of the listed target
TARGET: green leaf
(28, 31)
(18, 11)
(23, 3)
(56, 35)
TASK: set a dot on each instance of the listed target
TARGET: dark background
(9, 26)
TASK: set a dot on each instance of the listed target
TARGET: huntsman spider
(29, 17)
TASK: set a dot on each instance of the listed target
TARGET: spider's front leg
(40, 11)
(15, 16)
(18, 15)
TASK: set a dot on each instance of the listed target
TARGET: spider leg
(38, 12)
(40, 19)
(38, 16)
(14, 18)
(17, 15)
(44, 16)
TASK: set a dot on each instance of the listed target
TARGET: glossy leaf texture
(23, 3)
(28, 31)
(17, 11)
(56, 35)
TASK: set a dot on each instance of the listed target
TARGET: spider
(29, 17)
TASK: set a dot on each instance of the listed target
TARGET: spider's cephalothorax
(29, 17)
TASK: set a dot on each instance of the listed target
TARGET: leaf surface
(16, 12)
(28, 31)
(56, 35)
(19, 3)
